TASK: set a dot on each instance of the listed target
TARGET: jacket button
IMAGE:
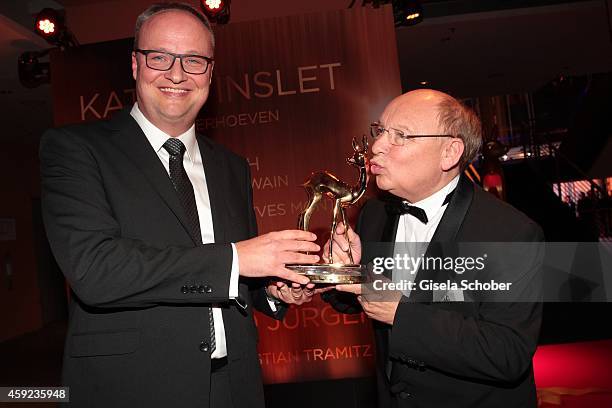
(208, 288)
(201, 289)
(184, 289)
(204, 347)
(404, 395)
(193, 289)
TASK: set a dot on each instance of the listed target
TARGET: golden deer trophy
(324, 184)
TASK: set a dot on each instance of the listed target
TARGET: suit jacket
(141, 285)
(456, 354)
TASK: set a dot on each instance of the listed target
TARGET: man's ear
(451, 153)
(134, 65)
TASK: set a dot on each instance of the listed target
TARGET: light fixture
(217, 11)
(50, 25)
(32, 72)
(407, 12)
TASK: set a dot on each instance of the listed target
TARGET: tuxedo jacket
(456, 353)
(141, 285)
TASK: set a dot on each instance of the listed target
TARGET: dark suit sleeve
(497, 345)
(104, 268)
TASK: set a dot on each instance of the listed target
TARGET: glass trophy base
(331, 273)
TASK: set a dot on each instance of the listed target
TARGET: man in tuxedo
(442, 348)
(154, 228)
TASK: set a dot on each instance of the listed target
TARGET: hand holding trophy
(322, 184)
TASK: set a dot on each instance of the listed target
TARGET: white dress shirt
(192, 161)
(417, 235)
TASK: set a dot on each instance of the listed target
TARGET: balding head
(422, 165)
(451, 117)
(158, 8)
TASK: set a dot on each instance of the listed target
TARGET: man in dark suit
(447, 347)
(153, 226)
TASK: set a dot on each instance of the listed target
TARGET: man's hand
(291, 294)
(266, 255)
(341, 246)
(379, 306)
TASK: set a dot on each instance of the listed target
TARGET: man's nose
(176, 73)
(380, 144)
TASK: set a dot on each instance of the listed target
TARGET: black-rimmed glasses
(396, 137)
(163, 61)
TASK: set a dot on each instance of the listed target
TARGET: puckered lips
(375, 167)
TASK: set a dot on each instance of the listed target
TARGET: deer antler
(363, 148)
(364, 140)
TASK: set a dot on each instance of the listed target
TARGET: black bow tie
(404, 207)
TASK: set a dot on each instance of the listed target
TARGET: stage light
(50, 25)
(46, 26)
(213, 4)
(407, 12)
(32, 72)
(217, 11)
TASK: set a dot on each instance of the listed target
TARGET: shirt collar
(432, 204)
(157, 138)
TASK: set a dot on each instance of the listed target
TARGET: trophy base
(331, 273)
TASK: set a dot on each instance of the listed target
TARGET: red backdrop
(289, 94)
(575, 375)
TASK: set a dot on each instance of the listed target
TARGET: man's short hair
(163, 7)
(459, 120)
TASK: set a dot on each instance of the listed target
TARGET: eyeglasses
(163, 61)
(396, 137)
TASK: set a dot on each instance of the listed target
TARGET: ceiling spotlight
(407, 12)
(46, 26)
(50, 25)
(413, 16)
(32, 72)
(217, 11)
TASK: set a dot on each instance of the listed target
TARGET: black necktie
(184, 189)
(404, 207)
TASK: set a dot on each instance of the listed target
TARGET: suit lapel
(217, 184)
(455, 213)
(131, 139)
(445, 233)
(378, 242)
